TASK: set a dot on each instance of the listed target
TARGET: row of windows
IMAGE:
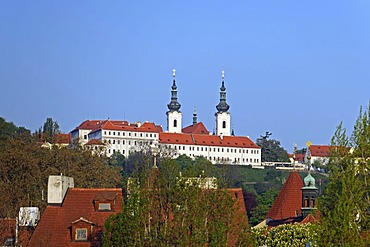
(227, 159)
(228, 150)
(129, 134)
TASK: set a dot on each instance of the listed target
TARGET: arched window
(224, 124)
(175, 123)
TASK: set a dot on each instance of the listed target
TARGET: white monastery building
(222, 147)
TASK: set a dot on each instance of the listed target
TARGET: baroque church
(221, 147)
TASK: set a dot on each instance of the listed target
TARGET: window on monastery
(114, 150)
(109, 132)
(175, 123)
(118, 141)
(141, 134)
(134, 134)
(150, 135)
(183, 147)
(85, 137)
(123, 151)
(222, 149)
(118, 133)
(114, 133)
(205, 149)
(81, 234)
(246, 151)
(218, 149)
(114, 141)
(105, 132)
(129, 133)
(155, 135)
(231, 150)
(129, 142)
(197, 148)
(224, 124)
(123, 133)
(201, 149)
(146, 135)
(227, 150)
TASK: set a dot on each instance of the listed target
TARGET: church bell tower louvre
(174, 115)
(222, 115)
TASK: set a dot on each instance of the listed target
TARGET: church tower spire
(309, 192)
(174, 116)
(222, 114)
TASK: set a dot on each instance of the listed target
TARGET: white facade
(223, 124)
(174, 121)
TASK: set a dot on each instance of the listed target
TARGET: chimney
(57, 189)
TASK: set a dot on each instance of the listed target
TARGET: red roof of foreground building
(206, 140)
(197, 128)
(55, 226)
(289, 201)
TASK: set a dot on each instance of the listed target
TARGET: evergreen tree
(345, 204)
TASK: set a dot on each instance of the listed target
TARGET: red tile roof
(197, 128)
(54, 228)
(289, 201)
(298, 157)
(320, 150)
(206, 140)
(88, 124)
(122, 126)
(62, 138)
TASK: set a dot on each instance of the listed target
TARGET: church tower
(174, 116)
(309, 193)
(222, 115)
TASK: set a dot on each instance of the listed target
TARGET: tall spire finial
(222, 106)
(174, 105)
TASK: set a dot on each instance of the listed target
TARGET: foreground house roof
(80, 210)
(289, 201)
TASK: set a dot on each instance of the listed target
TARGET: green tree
(272, 151)
(264, 203)
(9, 130)
(26, 166)
(345, 204)
(163, 209)
(49, 130)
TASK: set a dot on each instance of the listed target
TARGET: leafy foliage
(25, 167)
(163, 210)
(272, 151)
(286, 235)
(345, 203)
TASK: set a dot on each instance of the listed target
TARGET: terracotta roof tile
(289, 201)
(62, 138)
(197, 128)
(54, 226)
(320, 150)
(206, 140)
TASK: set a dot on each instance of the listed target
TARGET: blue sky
(294, 68)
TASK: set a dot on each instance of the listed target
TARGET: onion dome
(222, 106)
(174, 105)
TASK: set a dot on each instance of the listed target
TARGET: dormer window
(104, 207)
(82, 229)
(105, 201)
(81, 234)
